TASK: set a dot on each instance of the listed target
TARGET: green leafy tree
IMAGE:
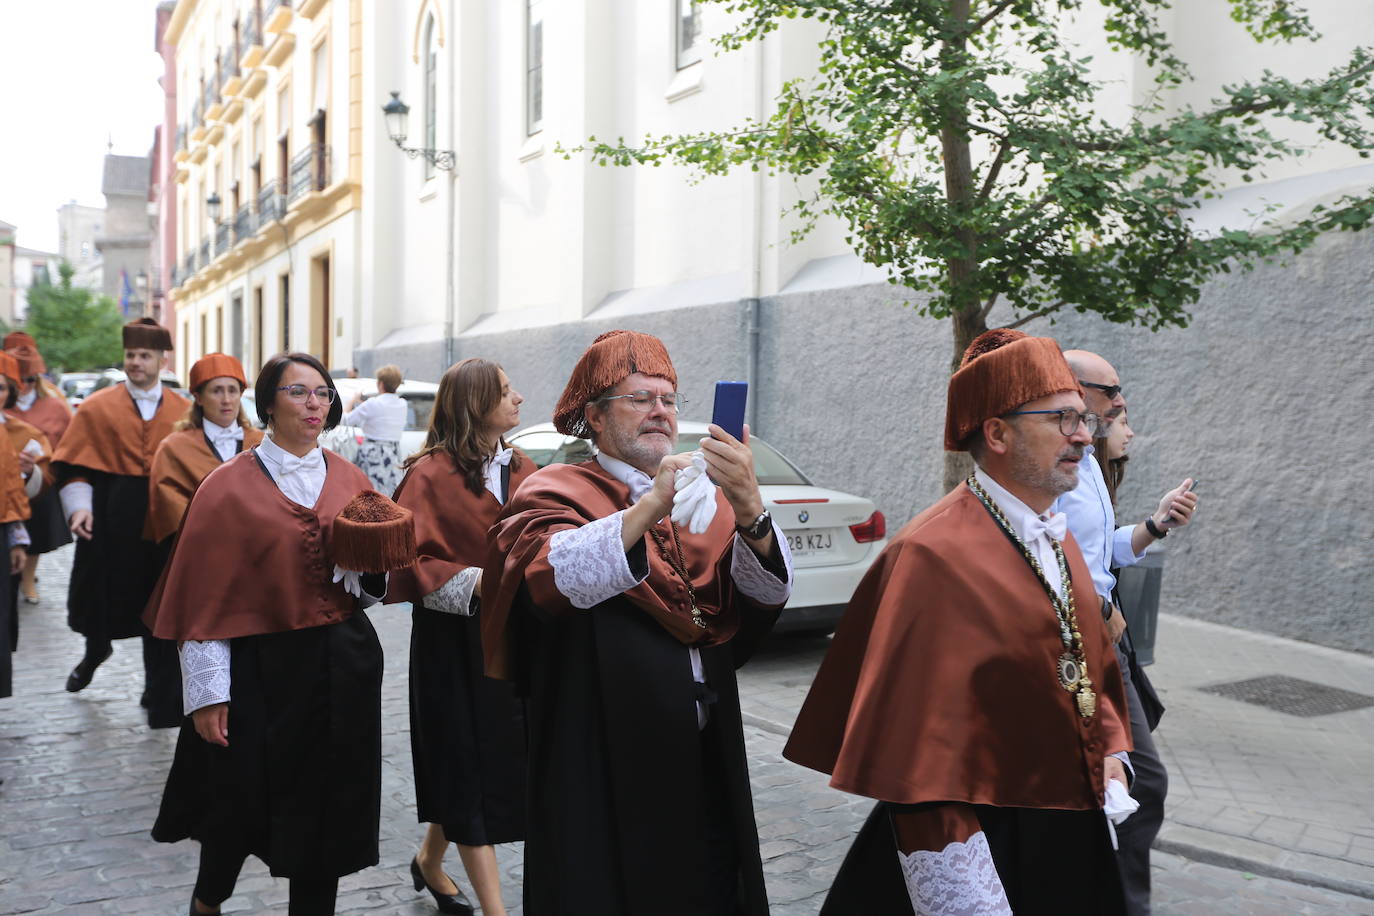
(76, 328)
(959, 143)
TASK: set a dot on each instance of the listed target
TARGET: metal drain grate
(1292, 695)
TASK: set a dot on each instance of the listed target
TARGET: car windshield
(419, 405)
(547, 447)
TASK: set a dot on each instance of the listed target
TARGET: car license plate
(811, 543)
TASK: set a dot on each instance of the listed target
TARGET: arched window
(431, 65)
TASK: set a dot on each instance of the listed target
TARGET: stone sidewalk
(83, 777)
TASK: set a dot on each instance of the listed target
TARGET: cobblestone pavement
(83, 777)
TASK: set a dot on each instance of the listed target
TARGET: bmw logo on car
(803, 516)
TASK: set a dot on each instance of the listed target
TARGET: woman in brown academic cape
(33, 456)
(466, 730)
(38, 405)
(281, 754)
(214, 430)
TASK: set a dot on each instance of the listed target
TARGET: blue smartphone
(728, 413)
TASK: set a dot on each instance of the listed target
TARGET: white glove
(352, 581)
(1118, 805)
(694, 503)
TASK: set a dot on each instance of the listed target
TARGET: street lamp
(397, 114)
(213, 206)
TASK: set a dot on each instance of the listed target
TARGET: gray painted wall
(1265, 398)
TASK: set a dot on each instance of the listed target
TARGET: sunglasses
(1110, 391)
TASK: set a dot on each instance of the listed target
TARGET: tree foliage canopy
(75, 328)
(961, 144)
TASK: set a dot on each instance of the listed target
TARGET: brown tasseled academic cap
(612, 358)
(9, 368)
(216, 365)
(146, 334)
(1001, 370)
(374, 535)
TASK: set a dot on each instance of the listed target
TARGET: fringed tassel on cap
(373, 535)
(612, 357)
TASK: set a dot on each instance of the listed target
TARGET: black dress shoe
(81, 675)
(455, 903)
(196, 912)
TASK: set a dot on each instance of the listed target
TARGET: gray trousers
(1151, 784)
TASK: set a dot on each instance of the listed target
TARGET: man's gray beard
(1025, 472)
(629, 448)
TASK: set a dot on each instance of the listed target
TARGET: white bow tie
(1056, 526)
(145, 394)
(313, 460)
(217, 433)
(639, 483)
(502, 457)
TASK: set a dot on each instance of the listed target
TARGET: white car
(419, 398)
(834, 536)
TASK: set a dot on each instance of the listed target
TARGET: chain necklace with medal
(679, 565)
(1073, 664)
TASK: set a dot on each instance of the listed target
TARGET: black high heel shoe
(454, 903)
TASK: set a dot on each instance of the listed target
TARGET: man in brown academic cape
(102, 467)
(971, 687)
(625, 632)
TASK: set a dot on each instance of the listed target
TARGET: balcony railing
(211, 91)
(310, 170)
(244, 224)
(272, 6)
(188, 266)
(271, 204)
(221, 239)
(205, 254)
(178, 276)
(181, 137)
(252, 28)
(197, 113)
(229, 65)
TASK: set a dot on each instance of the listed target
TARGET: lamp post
(213, 206)
(397, 117)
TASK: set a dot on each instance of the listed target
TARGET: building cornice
(177, 24)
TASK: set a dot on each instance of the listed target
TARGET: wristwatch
(761, 526)
(1156, 532)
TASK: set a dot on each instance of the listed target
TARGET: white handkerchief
(694, 503)
(352, 581)
(1118, 805)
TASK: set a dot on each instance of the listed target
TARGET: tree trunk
(963, 269)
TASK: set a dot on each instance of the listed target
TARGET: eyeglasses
(300, 394)
(1070, 419)
(643, 401)
(1109, 391)
(30, 379)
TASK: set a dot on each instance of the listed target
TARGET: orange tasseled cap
(1001, 370)
(612, 358)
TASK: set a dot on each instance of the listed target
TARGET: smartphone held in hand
(728, 413)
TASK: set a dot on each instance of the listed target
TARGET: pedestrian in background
(34, 457)
(467, 731)
(382, 419)
(40, 405)
(1106, 546)
(102, 467)
(282, 672)
(14, 509)
(625, 633)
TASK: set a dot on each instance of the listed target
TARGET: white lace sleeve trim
(455, 595)
(753, 580)
(589, 563)
(204, 673)
(959, 880)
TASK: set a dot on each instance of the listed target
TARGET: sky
(77, 74)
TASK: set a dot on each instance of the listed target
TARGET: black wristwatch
(1156, 532)
(761, 526)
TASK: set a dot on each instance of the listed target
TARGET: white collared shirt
(1093, 523)
(1020, 516)
(225, 439)
(145, 401)
(25, 400)
(303, 482)
(382, 417)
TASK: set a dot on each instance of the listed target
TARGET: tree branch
(1047, 310)
(989, 16)
(995, 169)
(987, 308)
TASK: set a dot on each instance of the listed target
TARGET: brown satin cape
(249, 561)
(182, 461)
(941, 683)
(108, 434)
(20, 433)
(564, 496)
(14, 504)
(50, 414)
(451, 523)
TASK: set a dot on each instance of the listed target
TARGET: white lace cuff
(589, 563)
(204, 673)
(76, 496)
(753, 580)
(16, 535)
(455, 595)
(959, 880)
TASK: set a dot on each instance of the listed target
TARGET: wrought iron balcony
(244, 223)
(273, 5)
(271, 204)
(197, 113)
(221, 239)
(188, 267)
(229, 65)
(178, 276)
(211, 97)
(252, 28)
(204, 254)
(310, 170)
